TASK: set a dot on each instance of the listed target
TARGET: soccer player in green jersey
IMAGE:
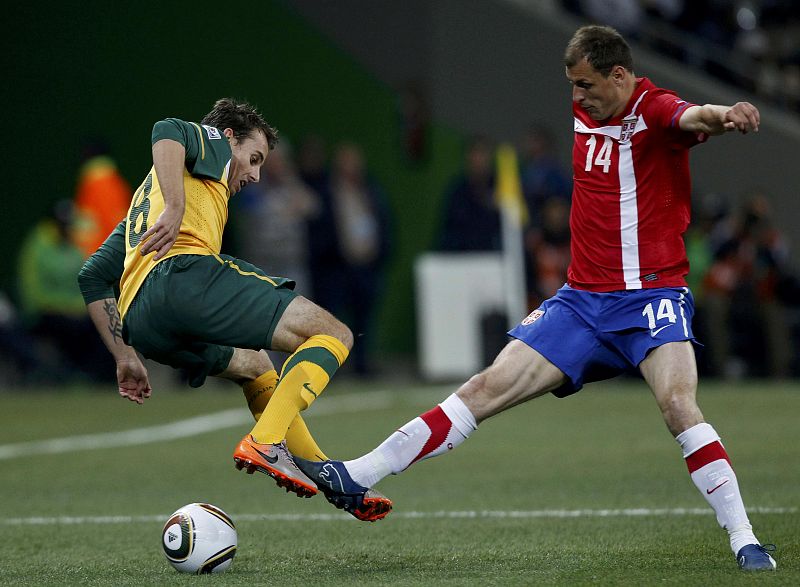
(183, 303)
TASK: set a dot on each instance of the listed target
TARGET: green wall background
(78, 70)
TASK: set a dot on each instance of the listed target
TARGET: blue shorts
(592, 336)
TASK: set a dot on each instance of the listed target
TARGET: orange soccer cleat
(277, 462)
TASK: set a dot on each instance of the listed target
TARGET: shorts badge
(532, 317)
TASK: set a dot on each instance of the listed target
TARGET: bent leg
(253, 370)
(246, 365)
(303, 319)
(320, 344)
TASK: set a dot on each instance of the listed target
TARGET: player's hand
(162, 235)
(742, 116)
(132, 380)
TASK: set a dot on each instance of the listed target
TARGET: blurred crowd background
(322, 215)
(752, 44)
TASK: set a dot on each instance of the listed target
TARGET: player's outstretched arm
(97, 280)
(132, 380)
(714, 119)
(168, 161)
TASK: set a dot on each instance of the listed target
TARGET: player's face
(601, 97)
(247, 157)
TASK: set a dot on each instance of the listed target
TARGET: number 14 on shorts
(666, 310)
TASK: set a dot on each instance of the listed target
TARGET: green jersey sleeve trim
(99, 277)
(207, 149)
(181, 132)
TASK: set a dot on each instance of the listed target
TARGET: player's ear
(228, 132)
(618, 74)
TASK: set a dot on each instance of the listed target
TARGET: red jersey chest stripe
(628, 197)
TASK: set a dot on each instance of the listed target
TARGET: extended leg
(671, 373)
(518, 374)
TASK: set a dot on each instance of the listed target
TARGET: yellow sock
(258, 392)
(298, 438)
(304, 376)
(300, 442)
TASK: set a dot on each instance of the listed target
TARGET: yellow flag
(509, 186)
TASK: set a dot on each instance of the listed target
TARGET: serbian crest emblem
(628, 127)
(532, 317)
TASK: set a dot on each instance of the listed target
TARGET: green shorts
(192, 310)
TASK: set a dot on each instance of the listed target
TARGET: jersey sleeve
(99, 277)
(665, 109)
(207, 149)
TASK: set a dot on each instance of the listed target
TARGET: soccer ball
(199, 538)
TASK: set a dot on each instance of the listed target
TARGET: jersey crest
(627, 128)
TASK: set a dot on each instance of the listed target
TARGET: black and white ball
(199, 538)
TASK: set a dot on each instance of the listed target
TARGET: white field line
(341, 517)
(355, 402)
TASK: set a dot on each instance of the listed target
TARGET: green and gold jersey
(205, 181)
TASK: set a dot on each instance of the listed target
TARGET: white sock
(713, 476)
(435, 432)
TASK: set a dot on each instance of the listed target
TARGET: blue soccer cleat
(756, 557)
(332, 478)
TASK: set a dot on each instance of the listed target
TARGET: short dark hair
(242, 118)
(602, 46)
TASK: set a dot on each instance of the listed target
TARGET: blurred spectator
(669, 10)
(414, 121)
(349, 281)
(755, 45)
(102, 196)
(623, 15)
(548, 252)
(312, 166)
(471, 215)
(273, 217)
(746, 306)
(18, 350)
(543, 177)
(51, 302)
(312, 162)
(791, 86)
(711, 227)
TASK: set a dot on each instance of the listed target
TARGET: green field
(541, 495)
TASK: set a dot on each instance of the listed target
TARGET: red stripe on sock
(440, 426)
(708, 454)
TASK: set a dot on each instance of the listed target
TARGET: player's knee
(338, 330)
(246, 365)
(311, 319)
(344, 335)
(260, 362)
(680, 410)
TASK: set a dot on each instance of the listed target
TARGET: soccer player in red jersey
(626, 305)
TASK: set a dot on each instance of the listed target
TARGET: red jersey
(631, 196)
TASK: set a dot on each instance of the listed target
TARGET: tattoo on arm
(114, 321)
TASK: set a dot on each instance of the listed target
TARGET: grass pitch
(586, 490)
